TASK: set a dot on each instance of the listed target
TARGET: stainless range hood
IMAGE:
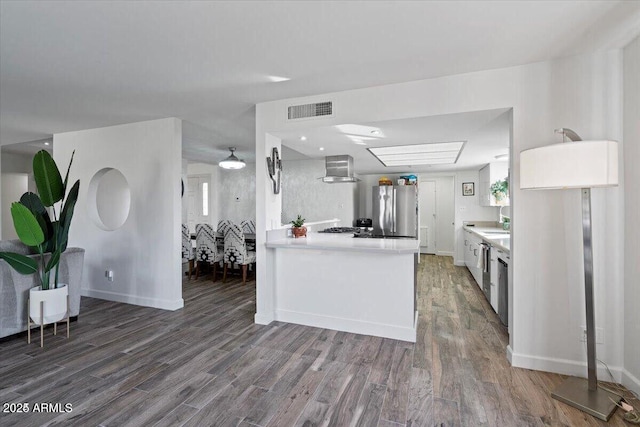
(339, 169)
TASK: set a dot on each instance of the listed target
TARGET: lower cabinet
(472, 252)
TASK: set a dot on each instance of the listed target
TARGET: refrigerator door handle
(393, 211)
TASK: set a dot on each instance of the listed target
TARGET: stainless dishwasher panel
(503, 291)
(485, 253)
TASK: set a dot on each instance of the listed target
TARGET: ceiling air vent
(310, 110)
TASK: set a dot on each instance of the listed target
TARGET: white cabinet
(489, 174)
(471, 254)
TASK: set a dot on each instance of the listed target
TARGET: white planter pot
(55, 304)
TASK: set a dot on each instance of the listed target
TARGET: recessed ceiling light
(419, 154)
(277, 79)
(47, 143)
(303, 138)
(360, 131)
(321, 148)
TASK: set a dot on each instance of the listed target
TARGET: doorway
(437, 222)
(199, 210)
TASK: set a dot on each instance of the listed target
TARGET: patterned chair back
(223, 225)
(205, 243)
(248, 226)
(187, 249)
(235, 247)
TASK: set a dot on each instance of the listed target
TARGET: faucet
(504, 220)
(503, 217)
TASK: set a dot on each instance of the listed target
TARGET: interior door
(427, 197)
(198, 194)
(445, 216)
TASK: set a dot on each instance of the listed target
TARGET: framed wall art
(468, 189)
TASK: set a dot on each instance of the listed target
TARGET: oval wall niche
(109, 199)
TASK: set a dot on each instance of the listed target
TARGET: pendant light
(232, 162)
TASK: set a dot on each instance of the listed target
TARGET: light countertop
(488, 234)
(346, 242)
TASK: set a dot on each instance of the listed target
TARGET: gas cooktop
(340, 230)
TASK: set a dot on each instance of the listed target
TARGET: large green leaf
(29, 231)
(34, 204)
(21, 263)
(66, 215)
(66, 177)
(48, 179)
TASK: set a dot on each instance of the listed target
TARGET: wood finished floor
(209, 365)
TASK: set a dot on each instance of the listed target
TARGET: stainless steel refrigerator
(395, 210)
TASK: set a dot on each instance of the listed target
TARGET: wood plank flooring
(210, 365)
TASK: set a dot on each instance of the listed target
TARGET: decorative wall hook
(274, 167)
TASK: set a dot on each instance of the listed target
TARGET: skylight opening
(437, 153)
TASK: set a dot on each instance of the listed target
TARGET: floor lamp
(584, 165)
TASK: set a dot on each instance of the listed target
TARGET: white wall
(16, 163)
(583, 93)
(632, 207)
(1, 202)
(19, 163)
(303, 193)
(185, 181)
(14, 185)
(214, 195)
(144, 253)
(236, 194)
(468, 209)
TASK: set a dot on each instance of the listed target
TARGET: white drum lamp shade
(583, 165)
(580, 164)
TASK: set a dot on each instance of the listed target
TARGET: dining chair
(187, 248)
(223, 225)
(248, 226)
(235, 251)
(206, 248)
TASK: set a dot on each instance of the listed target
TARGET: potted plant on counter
(298, 229)
(47, 237)
(500, 190)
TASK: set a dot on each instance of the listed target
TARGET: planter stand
(55, 324)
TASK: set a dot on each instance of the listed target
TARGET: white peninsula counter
(358, 285)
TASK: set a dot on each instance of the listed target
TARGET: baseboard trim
(262, 319)
(444, 253)
(561, 366)
(630, 381)
(459, 263)
(349, 325)
(134, 299)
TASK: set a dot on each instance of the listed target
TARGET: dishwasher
(485, 253)
(503, 289)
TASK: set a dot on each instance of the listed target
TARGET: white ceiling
(486, 135)
(75, 65)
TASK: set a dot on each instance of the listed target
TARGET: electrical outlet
(599, 335)
(109, 275)
(289, 232)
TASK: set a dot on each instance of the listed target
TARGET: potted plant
(500, 190)
(299, 230)
(35, 228)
